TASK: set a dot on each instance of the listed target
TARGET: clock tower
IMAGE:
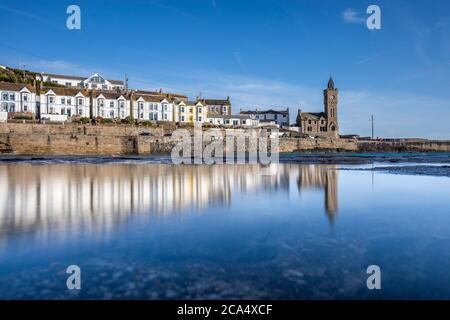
(330, 101)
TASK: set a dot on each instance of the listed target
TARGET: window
(101, 102)
(51, 110)
(69, 101)
(4, 96)
(69, 84)
(182, 118)
(111, 114)
(63, 101)
(141, 105)
(80, 102)
(94, 86)
(122, 104)
(309, 121)
(224, 109)
(25, 108)
(122, 114)
(182, 109)
(235, 122)
(150, 116)
(190, 110)
(104, 87)
(165, 107)
(199, 110)
(155, 116)
(200, 118)
(165, 116)
(141, 116)
(12, 96)
(111, 104)
(25, 97)
(50, 99)
(80, 112)
(4, 106)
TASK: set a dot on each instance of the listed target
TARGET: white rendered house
(153, 108)
(17, 97)
(95, 81)
(64, 102)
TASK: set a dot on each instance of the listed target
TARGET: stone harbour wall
(72, 139)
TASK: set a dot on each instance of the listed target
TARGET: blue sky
(261, 53)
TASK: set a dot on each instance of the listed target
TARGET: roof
(270, 111)
(16, 86)
(62, 91)
(216, 102)
(330, 84)
(52, 75)
(159, 93)
(109, 95)
(315, 115)
(151, 98)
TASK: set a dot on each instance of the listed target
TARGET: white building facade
(110, 105)
(153, 108)
(59, 104)
(280, 117)
(233, 120)
(95, 81)
(17, 98)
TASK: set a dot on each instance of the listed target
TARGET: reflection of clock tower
(331, 100)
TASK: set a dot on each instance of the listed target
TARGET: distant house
(233, 120)
(95, 81)
(280, 117)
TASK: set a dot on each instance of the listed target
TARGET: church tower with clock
(323, 123)
(331, 103)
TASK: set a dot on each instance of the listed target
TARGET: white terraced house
(17, 97)
(95, 81)
(111, 105)
(233, 120)
(58, 104)
(153, 108)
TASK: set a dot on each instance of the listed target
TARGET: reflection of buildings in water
(321, 176)
(42, 197)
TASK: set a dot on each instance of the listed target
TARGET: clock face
(332, 97)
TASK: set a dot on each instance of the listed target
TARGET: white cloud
(351, 16)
